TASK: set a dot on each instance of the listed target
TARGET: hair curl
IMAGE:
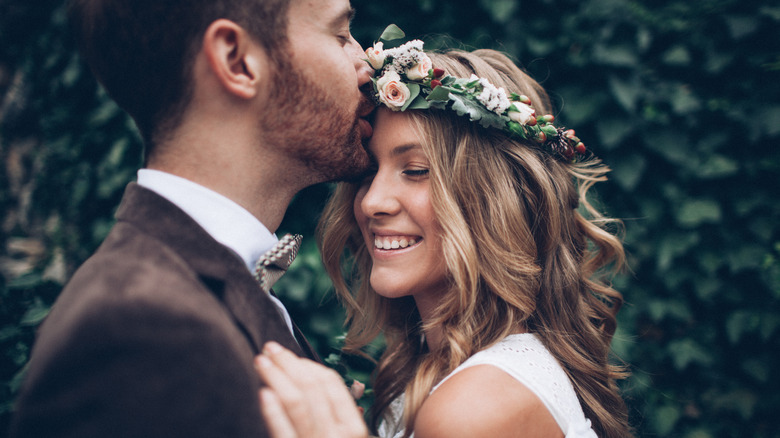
(519, 251)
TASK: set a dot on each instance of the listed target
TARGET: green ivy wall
(681, 98)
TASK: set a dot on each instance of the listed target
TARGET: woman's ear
(235, 59)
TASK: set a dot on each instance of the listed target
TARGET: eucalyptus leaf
(419, 103)
(392, 32)
(440, 93)
(414, 91)
(464, 105)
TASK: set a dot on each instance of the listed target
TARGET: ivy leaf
(629, 171)
(686, 351)
(665, 418)
(626, 92)
(392, 32)
(717, 166)
(500, 10)
(698, 211)
(9, 332)
(35, 314)
(740, 323)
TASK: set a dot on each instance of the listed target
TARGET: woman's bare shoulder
(484, 401)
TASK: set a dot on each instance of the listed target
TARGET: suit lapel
(215, 265)
(308, 350)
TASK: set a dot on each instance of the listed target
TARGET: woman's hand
(305, 399)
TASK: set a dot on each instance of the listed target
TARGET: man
(241, 103)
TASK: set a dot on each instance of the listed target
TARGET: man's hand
(305, 399)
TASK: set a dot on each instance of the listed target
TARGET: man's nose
(364, 71)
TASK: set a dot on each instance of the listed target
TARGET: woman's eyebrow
(404, 148)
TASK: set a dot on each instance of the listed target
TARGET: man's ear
(236, 61)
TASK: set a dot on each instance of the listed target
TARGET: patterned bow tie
(272, 265)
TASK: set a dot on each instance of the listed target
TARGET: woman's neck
(426, 305)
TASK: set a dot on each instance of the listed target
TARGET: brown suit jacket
(154, 336)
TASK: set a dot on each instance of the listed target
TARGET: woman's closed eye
(416, 173)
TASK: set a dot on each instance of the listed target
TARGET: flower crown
(405, 78)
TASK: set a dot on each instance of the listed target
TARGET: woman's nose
(380, 199)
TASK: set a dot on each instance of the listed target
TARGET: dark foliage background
(681, 98)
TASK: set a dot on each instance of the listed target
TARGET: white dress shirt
(227, 222)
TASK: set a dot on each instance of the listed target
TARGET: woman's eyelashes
(416, 173)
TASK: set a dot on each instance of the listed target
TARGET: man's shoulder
(136, 279)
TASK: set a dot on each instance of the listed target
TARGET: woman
(477, 254)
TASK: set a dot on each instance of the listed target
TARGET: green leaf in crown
(405, 79)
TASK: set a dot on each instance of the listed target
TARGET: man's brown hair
(143, 51)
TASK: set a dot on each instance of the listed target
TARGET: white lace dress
(525, 358)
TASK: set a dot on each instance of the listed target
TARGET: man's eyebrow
(351, 14)
(346, 16)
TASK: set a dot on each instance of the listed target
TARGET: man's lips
(366, 130)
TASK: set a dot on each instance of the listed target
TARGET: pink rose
(376, 56)
(392, 92)
(420, 70)
(522, 113)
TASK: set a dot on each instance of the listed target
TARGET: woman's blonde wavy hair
(519, 250)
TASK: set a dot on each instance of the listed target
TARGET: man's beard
(314, 128)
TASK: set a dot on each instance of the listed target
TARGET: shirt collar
(226, 221)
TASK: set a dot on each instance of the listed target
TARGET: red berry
(569, 133)
(580, 148)
(438, 72)
(541, 137)
(435, 83)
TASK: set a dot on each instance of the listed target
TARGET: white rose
(376, 56)
(522, 113)
(392, 92)
(420, 70)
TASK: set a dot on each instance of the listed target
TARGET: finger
(357, 389)
(276, 420)
(292, 398)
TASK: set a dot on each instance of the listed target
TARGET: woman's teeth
(394, 243)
